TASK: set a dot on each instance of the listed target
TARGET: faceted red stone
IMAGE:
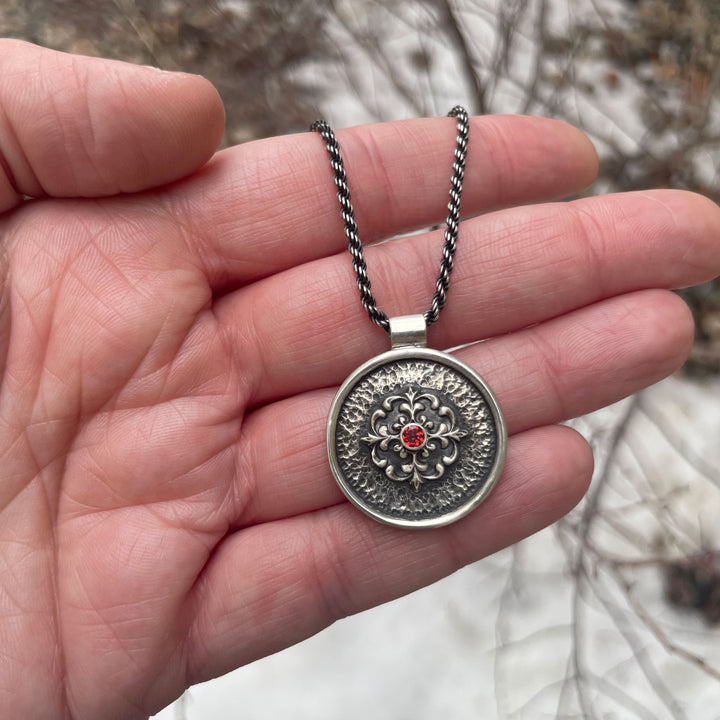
(412, 436)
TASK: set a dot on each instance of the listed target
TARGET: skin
(174, 324)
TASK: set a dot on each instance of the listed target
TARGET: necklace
(415, 437)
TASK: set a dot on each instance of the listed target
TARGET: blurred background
(614, 612)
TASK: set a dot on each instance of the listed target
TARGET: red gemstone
(412, 436)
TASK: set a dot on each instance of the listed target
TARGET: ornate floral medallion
(416, 438)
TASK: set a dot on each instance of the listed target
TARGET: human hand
(170, 347)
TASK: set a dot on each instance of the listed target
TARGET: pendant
(415, 437)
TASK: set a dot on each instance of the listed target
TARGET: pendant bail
(408, 331)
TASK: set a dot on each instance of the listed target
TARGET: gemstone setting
(412, 436)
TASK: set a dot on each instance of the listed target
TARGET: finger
(86, 127)
(513, 268)
(542, 375)
(271, 204)
(5, 310)
(313, 569)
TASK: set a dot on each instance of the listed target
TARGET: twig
(472, 76)
(539, 65)
(144, 32)
(640, 654)
(588, 517)
(683, 449)
(669, 646)
(621, 697)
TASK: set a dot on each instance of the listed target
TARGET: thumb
(73, 126)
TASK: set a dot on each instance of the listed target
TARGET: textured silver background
(463, 480)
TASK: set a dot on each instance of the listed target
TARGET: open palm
(172, 331)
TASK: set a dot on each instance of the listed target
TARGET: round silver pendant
(416, 438)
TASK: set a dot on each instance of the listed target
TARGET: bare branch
(472, 76)
(662, 638)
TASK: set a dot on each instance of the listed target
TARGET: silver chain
(351, 228)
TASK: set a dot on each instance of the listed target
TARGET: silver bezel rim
(464, 369)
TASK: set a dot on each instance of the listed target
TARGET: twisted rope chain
(351, 228)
